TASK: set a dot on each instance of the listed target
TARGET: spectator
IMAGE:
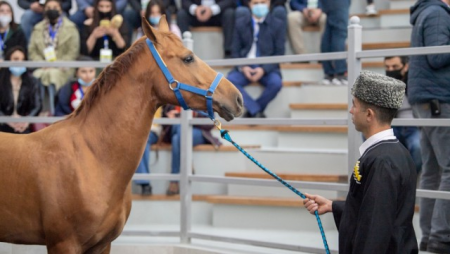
(397, 67)
(304, 13)
(333, 40)
(370, 8)
(172, 134)
(85, 10)
(71, 94)
(10, 33)
(277, 9)
(153, 12)
(54, 38)
(258, 35)
(104, 37)
(144, 165)
(34, 13)
(429, 96)
(19, 93)
(377, 215)
(138, 9)
(208, 13)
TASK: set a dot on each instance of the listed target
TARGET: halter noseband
(180, 86)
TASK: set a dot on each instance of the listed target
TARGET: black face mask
(105, 15)
(52, 15)
(397, 74)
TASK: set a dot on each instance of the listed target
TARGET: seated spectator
(333, 40)
(54, 38)
(138, 9)
(397, 67)
(85, 10)
(304, 13)
(34, 13)
(258, 35)
(172, 134)
(144, 165)
(19, 93)
(209, 13)
(10, 33)
(153, 13)
(71, 94)
(105, 36)
(277, 8)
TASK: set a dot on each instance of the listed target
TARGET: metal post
(354, 68)
(186, 164)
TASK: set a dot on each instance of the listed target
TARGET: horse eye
(188, 59)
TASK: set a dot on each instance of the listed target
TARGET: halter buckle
(174, 88)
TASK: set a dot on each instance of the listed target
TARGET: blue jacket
(271, 39)
(299, 5)
(429, 75)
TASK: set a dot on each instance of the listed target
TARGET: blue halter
(180, 86)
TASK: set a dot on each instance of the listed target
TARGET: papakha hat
(379, 90)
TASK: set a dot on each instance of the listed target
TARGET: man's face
(358, 114)
(395, 64)
(255, 2)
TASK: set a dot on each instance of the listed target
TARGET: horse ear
(163, 25)
(149, 31)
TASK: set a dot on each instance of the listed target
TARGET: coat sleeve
(83, 4)
(280, 39)
(62, 107)
(36, 98)
(24, 4)
(224, 4)
(377, 214)
(74, 47)
(135, 5)
(338, 209)
(33, 49)
(437, 33)
(120, 5)
(185, 4)
(66, 5)
(297, 5)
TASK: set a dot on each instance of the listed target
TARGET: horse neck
(117, 126)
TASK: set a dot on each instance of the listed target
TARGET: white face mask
(5, 20)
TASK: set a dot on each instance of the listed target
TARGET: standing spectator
(99, 40)
(397, 67)
(377, 215)
(172, 134)
(85, 10)
(429, 95)
(34, 13)
(19, 93)
(153, 13)
(333, 40)
(138, 9)
(10, 33)
(54, 38)
(303, 14)
(209, 13)
(72, 93)
(370, 8)
(258, 35)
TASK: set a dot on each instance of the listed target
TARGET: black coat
(170, 5)
(376, 217)
(223, 4)
(65, 4)
(15, 37)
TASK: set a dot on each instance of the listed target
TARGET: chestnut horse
(69, 186)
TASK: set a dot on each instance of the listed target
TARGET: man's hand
(317, 203)
(203, 13)
(36, 7)
(314, 15)
(89, 12)
(258, 73)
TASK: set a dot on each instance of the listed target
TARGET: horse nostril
(239, 100)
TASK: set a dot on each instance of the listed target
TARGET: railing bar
(403, 52)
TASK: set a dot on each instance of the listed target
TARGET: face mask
(52, 15)
(5, 20)
(17, 71)
(397, 74)
(81, 82)
(105, 15)
(260, 10)
(154, 20)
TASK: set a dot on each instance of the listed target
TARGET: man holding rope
(376, 216)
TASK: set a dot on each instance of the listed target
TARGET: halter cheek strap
(208, 94)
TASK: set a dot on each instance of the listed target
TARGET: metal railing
(354, 55)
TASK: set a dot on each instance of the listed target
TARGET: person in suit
(209, 13)
(258, 34)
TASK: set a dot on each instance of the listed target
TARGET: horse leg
(107, 250)
(68, 247)
(99, 249)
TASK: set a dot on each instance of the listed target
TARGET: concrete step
(321, 94)
(313, 137)
(394, 34)
(401, 4)
(318, 110)
(394, 18)
(301, 161)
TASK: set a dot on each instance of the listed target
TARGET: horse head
(187, 68)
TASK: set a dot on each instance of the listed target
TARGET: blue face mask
(260, 10)
(154, 20)
(81, 82)
(17, 71)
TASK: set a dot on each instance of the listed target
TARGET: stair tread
(291, 176)
(385, 45)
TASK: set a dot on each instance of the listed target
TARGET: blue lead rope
(226, 136)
